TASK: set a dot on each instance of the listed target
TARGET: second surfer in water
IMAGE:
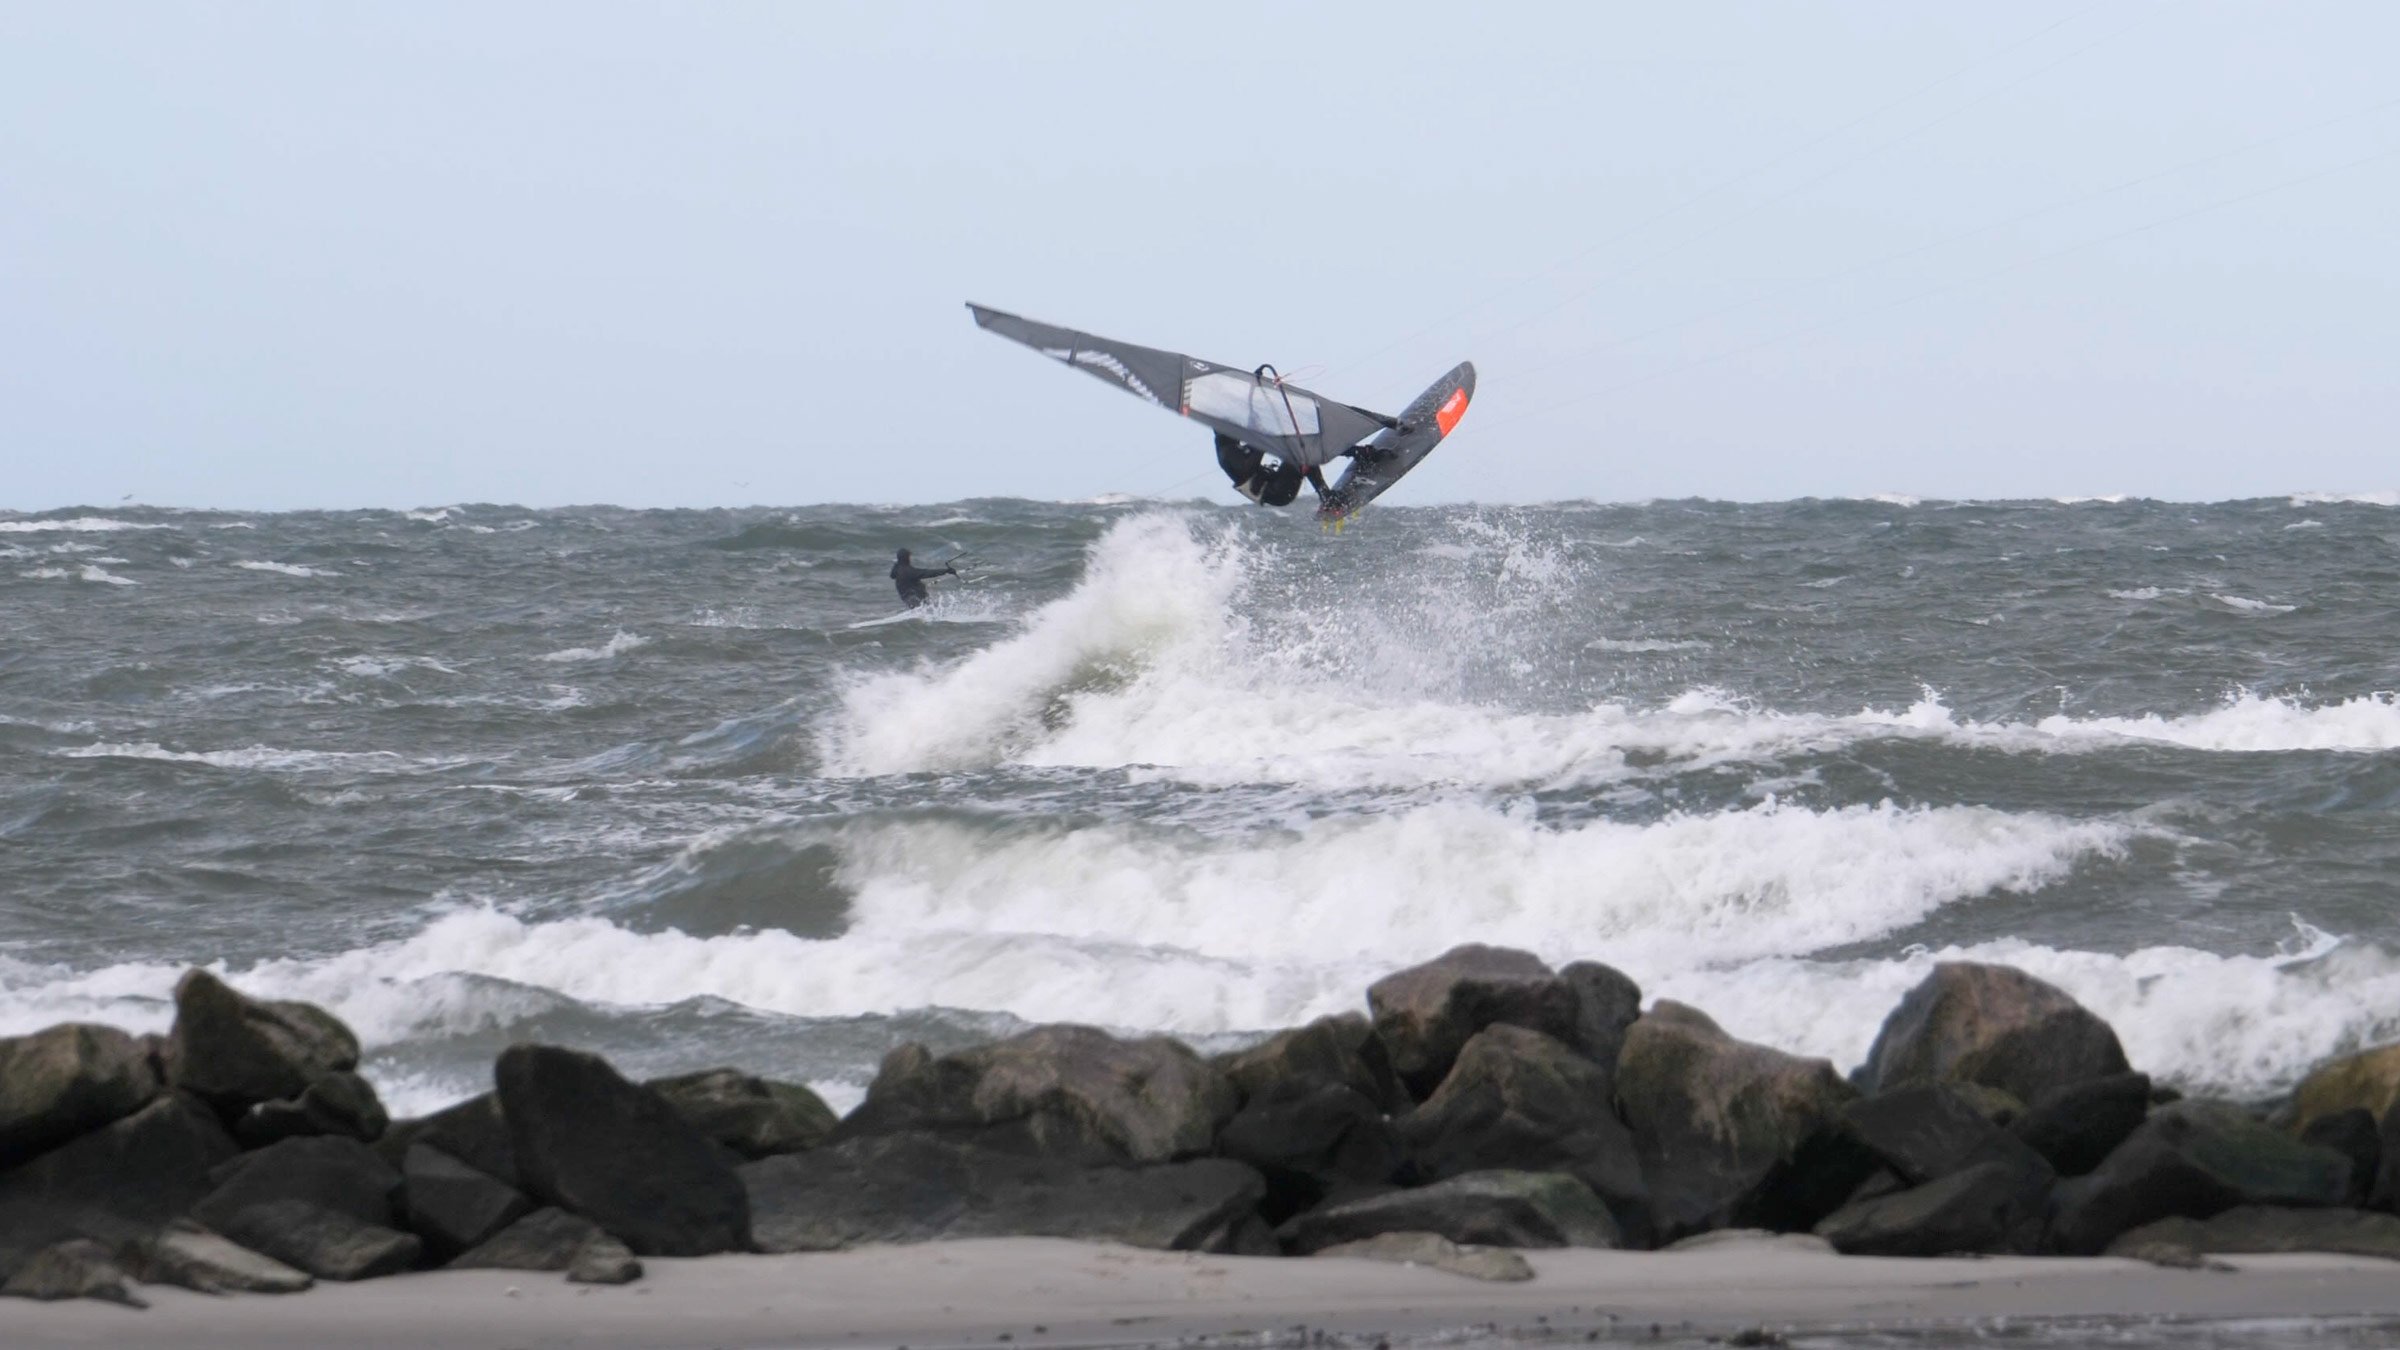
(911, 579)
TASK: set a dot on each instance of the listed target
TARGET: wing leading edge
(1285, 420)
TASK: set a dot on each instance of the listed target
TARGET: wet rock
(2078, 1126)
(1731, 1134)
(1497, 1264)
(1340, 1050)
(1309, 1140)
(338, 1104)
(2368, 1080)
(917, 1188)
(65, 1081)
(1064, 1091)
(1930, 1130)
(236, 1052)
(547, 1239)
(2194, 1159)
(2355, 1135)
(1519, 1100)
(323, 1171)
(191, 1257)
(76, 1268)
(330, 1244)
(1979, 1209)
(1757, 1238)
(604, 1260)
(1426, 1013)
(575, 1125)
(1993, 1025)
(451, 1205)
(2266, 1228)
(473, 1131)
(123, 1180)
(1492, 1209)
(2385, 1193)
(753, 1117)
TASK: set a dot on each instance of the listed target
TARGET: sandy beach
(1022, 1292)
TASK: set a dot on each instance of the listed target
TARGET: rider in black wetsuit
(1246, 466)
(911, 579)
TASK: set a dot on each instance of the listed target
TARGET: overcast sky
(406, 254)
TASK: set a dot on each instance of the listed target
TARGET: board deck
(1422, 427)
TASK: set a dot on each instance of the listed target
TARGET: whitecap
(80, 524)
(2245, 605)
(616, 646)
(284, 569)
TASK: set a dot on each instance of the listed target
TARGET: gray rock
(2194, 1159)
(1809, 1243)
(1993, 1025)
(192, 1257)
(1068, 1092)
(2353, 1134)
(1980, 1209)
(2266, 1228)
(1493, 1209)
(2385, 1193)
(1607, 1004)
(546, 1239)
(2368, 1080)
(1427, 1013)
(65, 1081)
(76, 1268)
(2078, 1126)
(1518, 1100)
(1309, 1139)
(451, 1205)
(917, 1188)
(751, 1116)
(473, 1131)
(324, 1171)
(1732, 1134)
(123, 1180)
(1340, 1050)
(1927, 1131)
(339, 1103)
(236, 1051)
(1497, 1264)
(604, 1260)
(328, 1243)
(575, 1127)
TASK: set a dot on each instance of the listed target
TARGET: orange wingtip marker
(1452, 409)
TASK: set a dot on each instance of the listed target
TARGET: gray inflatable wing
(1285, 420)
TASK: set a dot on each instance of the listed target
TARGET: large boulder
(1426, 1014)
(1493, 1209)
(1311, 1139)
(235, 1051)
(1989, 1206)
(191, 1257)
(918, 1188)
(453, 1206)
(2194, 1159)
(123, 1180)
(1518, 1100)
(1339, 1050)
(2384, 1194)
(544, 1239)
(2078, 1126)
(339, 1103)
(2265, 1228)
(618, 1153)
(753, 1117)
(76, 1268)
(1994, 1025)
(65, 1081)
(2355, 1135)
(1061, 1091)
(1928, 1131)
(473, 1131)
(322, 1204)
(2369, 1080)
(1731, 1134)
(330, 1244)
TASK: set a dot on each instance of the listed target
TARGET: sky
(270, 256)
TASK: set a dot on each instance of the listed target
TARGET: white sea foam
(91, 572)
(79, 524)
(249, 757)
(285, 569)
(46, 574)
(2137, 593)
(434, 516)
(2346, 498)
(2305, 525)
(378, 667)
(616, 646)
(2244, 605)
(1642, 645)
(1895, 499)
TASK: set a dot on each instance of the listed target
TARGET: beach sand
(1022, 1292)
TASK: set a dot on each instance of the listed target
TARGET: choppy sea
(629, 780)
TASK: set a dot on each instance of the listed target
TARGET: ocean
(629, 780)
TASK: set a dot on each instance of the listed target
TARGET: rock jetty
(1482, 1101)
